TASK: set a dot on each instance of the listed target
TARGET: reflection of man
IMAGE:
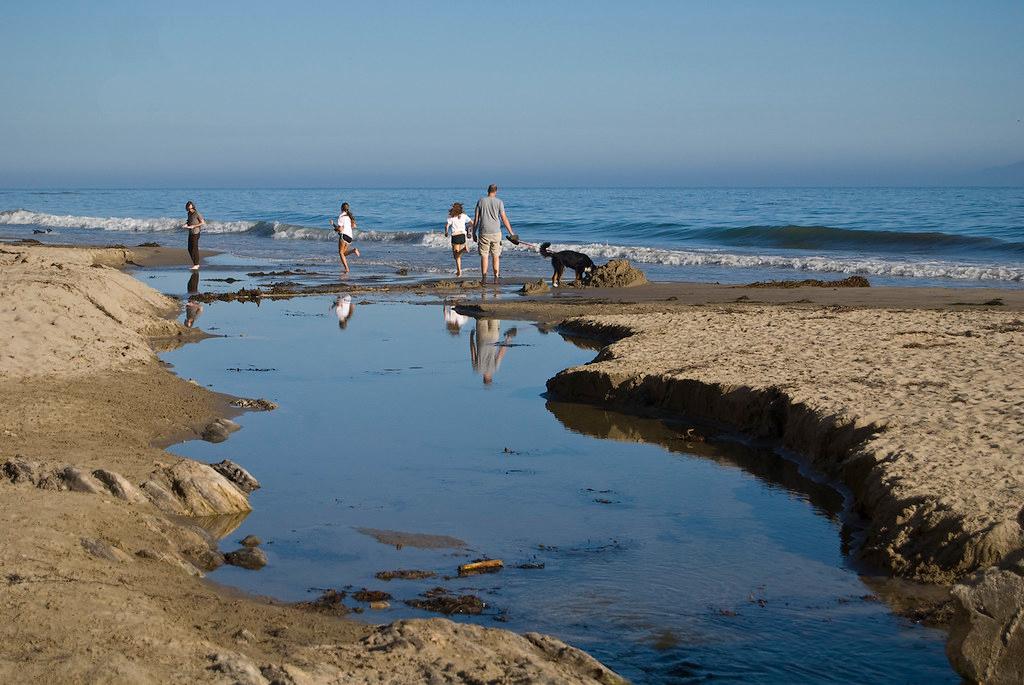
(453, 321)
(344, 308)
(485, 352)
(193, 283)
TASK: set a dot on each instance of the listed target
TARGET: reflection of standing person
(453, 321)
(194, 224)
(344, 308)
(192, 311)
(485, 352)
(487, 220)
(193, 283)
(456, 223)
(344, 228)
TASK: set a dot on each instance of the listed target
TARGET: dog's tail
(544, 249)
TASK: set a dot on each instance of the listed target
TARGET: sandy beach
(101, 572)
(908, 397)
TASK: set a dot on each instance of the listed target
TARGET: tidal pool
(671, 561)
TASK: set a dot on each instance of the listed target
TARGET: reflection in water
(667, 566)
(192, 312)
(218, 526)
(763, 463)
(344, 308)
(454, 321)
(193, 283)
(485, 351)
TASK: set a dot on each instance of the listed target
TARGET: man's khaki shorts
(489, 245)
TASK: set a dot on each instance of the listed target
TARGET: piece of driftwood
(481, 566)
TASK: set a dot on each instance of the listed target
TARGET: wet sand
(91, 553)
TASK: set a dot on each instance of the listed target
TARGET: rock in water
(251, 541)
(218, 430)
(237, 475)
(254, 405)
(252, 558)
(534, 288)
(617, 273)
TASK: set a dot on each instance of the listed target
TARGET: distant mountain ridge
(1009, 175)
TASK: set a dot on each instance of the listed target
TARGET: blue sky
(534, 93)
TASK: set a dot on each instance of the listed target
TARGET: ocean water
(672, 561)
(908, 236)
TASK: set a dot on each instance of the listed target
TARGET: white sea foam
(126, 224)
(878, 266)
(850, 265)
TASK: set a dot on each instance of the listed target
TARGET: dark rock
(252, 558)
(851, 282)
(254, 405)
(241, 478)
(330, 602)
(443, 602)
(251, 541)
(404, 574)
(20, 471)
(204, 558)
(365, 595)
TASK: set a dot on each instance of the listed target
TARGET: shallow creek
(668, 559)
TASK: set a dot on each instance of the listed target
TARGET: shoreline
(931, 471)
(97, 554)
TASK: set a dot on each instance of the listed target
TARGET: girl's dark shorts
(459, 239)
(346, 238)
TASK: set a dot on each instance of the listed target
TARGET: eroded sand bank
(99, 583)
(912, 399)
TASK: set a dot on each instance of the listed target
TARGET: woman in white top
(346, 222)
(457, 225)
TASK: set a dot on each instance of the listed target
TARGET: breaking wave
(809, 238)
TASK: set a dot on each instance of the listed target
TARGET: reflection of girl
(192, 312)
(456, 223)
(346, 222)
(344, 308)
(453, 321)
(194, 223)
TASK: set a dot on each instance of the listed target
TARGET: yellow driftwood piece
(481, 566)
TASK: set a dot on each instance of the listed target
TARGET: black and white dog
(577, 261)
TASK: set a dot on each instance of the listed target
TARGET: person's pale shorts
(489, 244)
